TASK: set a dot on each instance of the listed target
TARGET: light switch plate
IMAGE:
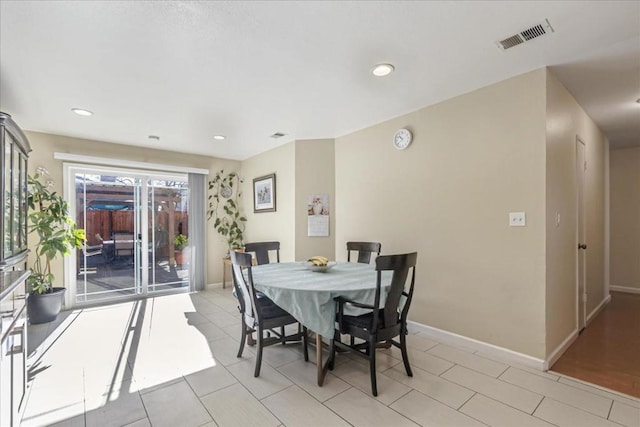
(517, 219)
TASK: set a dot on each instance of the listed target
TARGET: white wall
(625, 219)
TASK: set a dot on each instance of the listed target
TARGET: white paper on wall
(318, 215)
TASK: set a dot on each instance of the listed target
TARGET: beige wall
(565, 121)
(278, 225)
(474, 159)
(625, 218)
(315, 174)
(44, 145)
(301, 168)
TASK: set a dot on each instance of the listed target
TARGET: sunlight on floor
(141, 344)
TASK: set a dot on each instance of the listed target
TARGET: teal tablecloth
(308, 295)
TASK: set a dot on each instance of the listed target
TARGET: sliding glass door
(168, 231)
(137, 233)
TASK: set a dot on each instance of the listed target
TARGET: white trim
(559, 351)
(598, 309)
(489, 349)
(607, 219)
(627, 289)
(69, 262)
(127, 163)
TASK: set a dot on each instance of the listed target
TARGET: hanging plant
(224, 209)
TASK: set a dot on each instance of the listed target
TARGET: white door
(581, 244)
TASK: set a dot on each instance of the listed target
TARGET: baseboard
(559, 351)
(626, 289)
(214, 286)
(502, 353)
(598, 309)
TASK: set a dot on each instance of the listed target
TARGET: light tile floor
(171, 361)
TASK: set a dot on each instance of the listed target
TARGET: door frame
(70, 262)
(581, 235)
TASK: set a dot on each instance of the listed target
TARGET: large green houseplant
(56, 234)
(224, 208)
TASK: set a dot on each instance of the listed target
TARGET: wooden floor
(607, 353)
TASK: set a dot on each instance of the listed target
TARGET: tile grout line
(545, 396)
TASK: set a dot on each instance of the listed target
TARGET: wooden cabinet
(14, 151)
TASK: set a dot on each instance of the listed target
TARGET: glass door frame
(141, 221)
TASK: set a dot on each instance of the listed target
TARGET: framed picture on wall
(264, 193)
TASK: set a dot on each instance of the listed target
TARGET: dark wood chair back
(395, 310)
(261, 249)
(377, 324)
(244, 287)
(260, 314)
(365, 249)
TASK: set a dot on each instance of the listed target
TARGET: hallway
(607, 353)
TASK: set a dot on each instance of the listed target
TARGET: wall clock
(226, 191)
(402, 138)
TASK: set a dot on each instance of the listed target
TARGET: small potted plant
(56, 234)
(180, 243)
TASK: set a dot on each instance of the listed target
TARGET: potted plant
(180, 243)
(224, 209)
(56, 234)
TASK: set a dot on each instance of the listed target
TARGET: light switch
(517, 219)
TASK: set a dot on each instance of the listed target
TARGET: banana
(319, 261)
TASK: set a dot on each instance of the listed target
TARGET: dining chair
(261, 249)
(261, 314)
(379, 324)
(364, 249)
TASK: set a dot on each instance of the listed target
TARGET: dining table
(309, 296)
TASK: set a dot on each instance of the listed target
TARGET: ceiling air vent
(525, 35)
(277, 135)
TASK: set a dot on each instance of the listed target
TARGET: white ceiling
(186, 71)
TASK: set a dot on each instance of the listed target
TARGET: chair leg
(332, 351)
(258, 352)
(405, 355)
(243, 337)
(305, 337)
(250, 340)
(372, 367)
(283, 340)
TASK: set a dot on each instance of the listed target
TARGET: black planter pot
(44, 308)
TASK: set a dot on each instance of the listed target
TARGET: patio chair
(91, 257)
(379, 324)
(261, 314)
(123, 243)
(364, 249)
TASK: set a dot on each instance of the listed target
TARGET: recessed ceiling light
(382, 70)
(219, 137)
(82, 112)
(156, 137)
